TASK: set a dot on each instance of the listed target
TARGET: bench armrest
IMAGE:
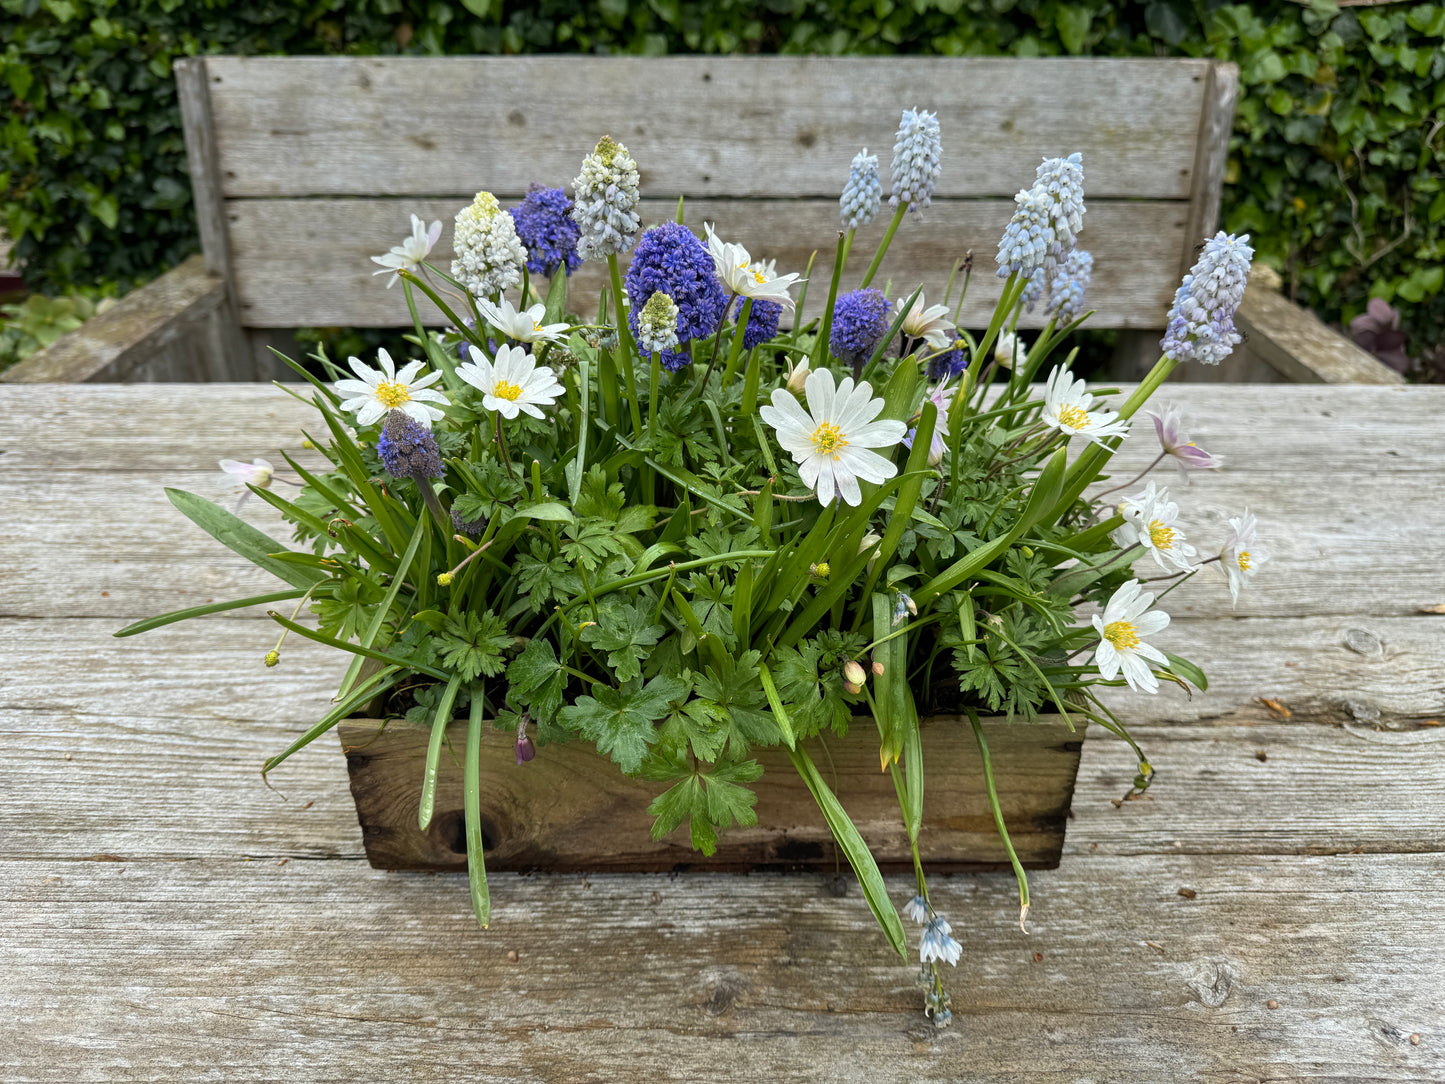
(1294, 342)
(178, 327)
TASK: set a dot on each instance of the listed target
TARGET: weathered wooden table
(1270, 912)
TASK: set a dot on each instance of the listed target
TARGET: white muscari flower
(1121, 647)
(1169, 428)
(410, 253)
(378, 392)
(511, 383)
(1242, 554)
(488, 253)
(657, 324)
(928, 322)
(830, 440)
(1200, 325)
(604, 201)
(1068, 407)
(917, 159)
(917, 909)
(936, 944)
(746, 278)
(1151, 519)
(863, 192)
(525, 326)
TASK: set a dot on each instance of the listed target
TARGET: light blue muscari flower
(863, 192)
(605, 199)
(1033, 290)
(917, 159)
(1068, 286)
(1201, 323)
(936, 944)
(1047, 219)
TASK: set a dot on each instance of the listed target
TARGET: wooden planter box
(571, 810)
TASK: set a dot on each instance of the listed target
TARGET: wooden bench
(303, 167)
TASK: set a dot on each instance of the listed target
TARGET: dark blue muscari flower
(407, 448)
(950, 363)
(670, 259)
(546, 227)
(860, 319)
(762, 322)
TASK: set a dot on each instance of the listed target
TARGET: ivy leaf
(625, 633)
(620, 721)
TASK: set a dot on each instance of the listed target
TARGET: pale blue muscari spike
(863, 192)
(1063, 180)
(1029, 238)
(1068, 286)
(1200, 326)
(1034, 290)
(605, 200)
(917, 159)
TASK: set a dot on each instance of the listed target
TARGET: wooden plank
(1295, 341)
(1322, 789)
(280, 244)
(154, 560)
(731, 126)
(570, 809)
(1211, 153)
(1285, 430)
(173, 323)
(241, 971)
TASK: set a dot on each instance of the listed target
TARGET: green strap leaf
(372, 686)
(239, 536)
(434, 752)
(201, 611)
(859, 857)
(472, 802)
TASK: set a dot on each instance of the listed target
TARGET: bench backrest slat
(319, 161)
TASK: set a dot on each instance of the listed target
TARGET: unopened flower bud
(878, 669)
(272, 658)
(798, 377)
(526, 749)
(854, 674)
(444, 579)
(821, 570)
(849, 687)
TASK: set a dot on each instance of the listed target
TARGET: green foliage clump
(1337, 166)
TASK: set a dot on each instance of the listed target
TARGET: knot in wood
(1364, 642)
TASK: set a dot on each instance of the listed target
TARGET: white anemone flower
(410, 253)
(830, 440)
(1121, 630)
(258, 473)
(1006, 347)
(377, 393)
(1242, 555)
(797, 375)
(1151, 519)
(928, 322)
(1068, 407)
(746, 277)
(525, 326)
(511, 383)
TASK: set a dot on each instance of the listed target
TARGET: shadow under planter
(570, 810)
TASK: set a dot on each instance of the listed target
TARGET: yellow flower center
(537, 326)
(822, 569)
(828, 439)
(391, 395)
(1121, 634)
(759, 277)
(1161, 536)
(1074, 417)
(1244, 560)
(503, 389)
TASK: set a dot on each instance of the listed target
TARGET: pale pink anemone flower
(1186, 455)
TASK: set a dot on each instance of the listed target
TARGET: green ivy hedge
(1337, 166)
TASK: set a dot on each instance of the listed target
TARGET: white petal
(870, 466)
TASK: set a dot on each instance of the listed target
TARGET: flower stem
(624, 344)
(502, 447)
(1125, 485)
(716, 344)
(736, 350)
(883, 245)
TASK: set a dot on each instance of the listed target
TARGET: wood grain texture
(1299, 345)
(570, 810)
(698, 126)
(250, 971)
(171, 328)
(298, 261)
(1211, 154)
(193, 92)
